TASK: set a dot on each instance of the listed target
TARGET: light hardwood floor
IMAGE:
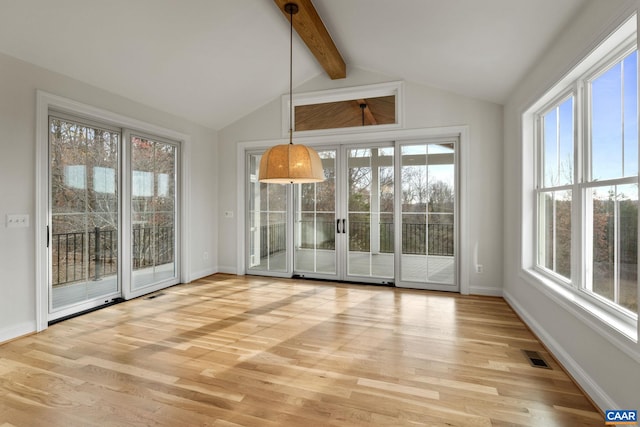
(230, 350)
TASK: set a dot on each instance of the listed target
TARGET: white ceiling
(214, 61)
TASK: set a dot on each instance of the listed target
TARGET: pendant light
(290, 163)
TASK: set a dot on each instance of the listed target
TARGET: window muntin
(597, 204)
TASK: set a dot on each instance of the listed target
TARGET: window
(555, 194)
(75, 176)
(104, 180)
(373, 111)
(586, 182)
(611, 183)
(344, 110)
(142, 184)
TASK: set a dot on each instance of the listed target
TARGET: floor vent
(155, 295)
(535, 359)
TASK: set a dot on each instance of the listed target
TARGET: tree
(85, 195)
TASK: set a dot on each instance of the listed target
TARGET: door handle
(344, 226)
(338, 226)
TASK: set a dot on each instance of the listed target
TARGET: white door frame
(461, 132)
(45, 102)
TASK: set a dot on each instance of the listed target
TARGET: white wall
(425, 107)
(609, 373)
(18, 84)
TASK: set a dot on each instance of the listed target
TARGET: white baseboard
(228, 269)
(17, 331)
(595, 392)
(203, 273)
(489, 292)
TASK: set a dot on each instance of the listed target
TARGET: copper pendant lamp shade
(290, 163)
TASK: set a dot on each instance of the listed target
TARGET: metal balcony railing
(79, 256)
(415, 240)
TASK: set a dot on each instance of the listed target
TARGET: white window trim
(46, 102)
(611, 323)
(620, 333)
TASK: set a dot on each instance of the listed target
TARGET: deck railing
(79, 256)
(440, 237)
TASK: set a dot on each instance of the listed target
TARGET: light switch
(17, 220)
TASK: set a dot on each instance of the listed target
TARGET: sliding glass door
(113, 223)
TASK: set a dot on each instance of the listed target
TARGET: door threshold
(89, 310)
(387, 284)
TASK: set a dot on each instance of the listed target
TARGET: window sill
(618, 329)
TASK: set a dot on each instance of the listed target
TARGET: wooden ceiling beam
(312, 31)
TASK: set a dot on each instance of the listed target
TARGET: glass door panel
(153, 211)
(370, 218)
(267, 222)
(315, 222)
(428, 202)
(84, 216)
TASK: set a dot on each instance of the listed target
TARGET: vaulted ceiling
(214, 61)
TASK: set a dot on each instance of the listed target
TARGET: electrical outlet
(205, 255)
(17, 220)
(228, 214)
(479, 268)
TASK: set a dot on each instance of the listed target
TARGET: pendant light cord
(291, 12)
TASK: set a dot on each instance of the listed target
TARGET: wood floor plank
(230, 351)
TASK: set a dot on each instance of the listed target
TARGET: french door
(112, 223)
(378, 217)
(343, 227)
(317, 225)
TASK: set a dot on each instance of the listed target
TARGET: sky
(614, 130)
